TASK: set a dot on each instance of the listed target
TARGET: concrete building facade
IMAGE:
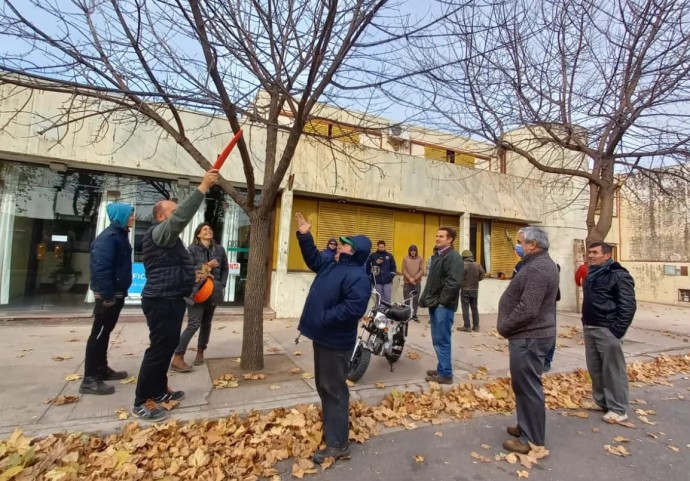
(350, 173)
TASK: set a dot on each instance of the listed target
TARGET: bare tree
(150, 61)
(607, 82)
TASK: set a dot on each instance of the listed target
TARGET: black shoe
(415, 319)
(169, 396)
(335, 453)
(464, 329)
(475, 328)
(93, 385)
(547, 366)
(113, 375)
(440, 379)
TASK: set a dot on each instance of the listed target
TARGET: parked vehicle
(383, 333)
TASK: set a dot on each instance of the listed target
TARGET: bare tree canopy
(150, 61)
(608, 80)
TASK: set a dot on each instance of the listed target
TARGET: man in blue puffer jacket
(111, 276)
(336, 302)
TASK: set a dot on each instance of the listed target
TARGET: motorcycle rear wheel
(359, 364)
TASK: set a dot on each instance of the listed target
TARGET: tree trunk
(255, 292)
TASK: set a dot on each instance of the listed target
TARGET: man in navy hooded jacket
(111, 276)
(337, 300)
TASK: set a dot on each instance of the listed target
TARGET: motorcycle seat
(399, 313)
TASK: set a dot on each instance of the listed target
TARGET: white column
(285, 236)
(8, 191)
(464, 234)
(284, 230)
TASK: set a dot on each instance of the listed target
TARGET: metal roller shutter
(334, 220)
(503, 240)
(377, 225)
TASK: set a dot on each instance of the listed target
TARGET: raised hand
(302, 225)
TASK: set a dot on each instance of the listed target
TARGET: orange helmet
(205, 290)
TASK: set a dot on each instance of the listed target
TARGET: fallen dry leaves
(248, 447)
(60, 400)
(61, 358)
(225, 381)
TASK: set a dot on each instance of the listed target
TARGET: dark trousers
(330, 369)
(468, 299)
(104, 320)
(199, 317)
(164, 318)
(526, 364)
(407, 293)
(552, 351)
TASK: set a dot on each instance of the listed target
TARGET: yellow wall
(431, 225)
(309, 209)
(409, 229)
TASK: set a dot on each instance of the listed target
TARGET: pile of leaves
(248, 447)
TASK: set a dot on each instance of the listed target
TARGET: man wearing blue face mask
(521, 255)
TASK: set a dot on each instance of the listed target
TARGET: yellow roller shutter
(377, 224)
(316, 127)
(503, 240)
(452, 221)
(335, 220)
(464, 159)
(344, 133)
(435, 153)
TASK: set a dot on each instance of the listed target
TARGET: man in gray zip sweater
(169, 279)
(527, 318)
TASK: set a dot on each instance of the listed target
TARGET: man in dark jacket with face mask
(111, 276)
(336, 302)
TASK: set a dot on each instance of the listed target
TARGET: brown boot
(178, 364)
(199, 359)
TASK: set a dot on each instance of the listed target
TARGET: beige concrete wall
(342, 171)
(653, 233)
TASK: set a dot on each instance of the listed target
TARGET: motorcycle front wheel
(359, 363)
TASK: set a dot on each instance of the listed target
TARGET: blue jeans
(441, 329)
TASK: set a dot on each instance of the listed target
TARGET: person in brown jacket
(469, 291)
(412, 270)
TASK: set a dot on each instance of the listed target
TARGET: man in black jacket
(382, 263)
(111, 275)
(169, 279)
(441, 295)
(608, 308)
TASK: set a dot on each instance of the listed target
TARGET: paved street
(30, 352)
(576, 451)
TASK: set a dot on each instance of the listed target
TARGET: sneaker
(613, 418)
(475, 329)
(464, 329)
(514, 431)
(93, 385)
(149, 411)
(516, 446)
(335, 453)
(113, 375)
(440, 379)
(547, 366)
(169, 396)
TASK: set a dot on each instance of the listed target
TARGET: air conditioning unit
(398, 132)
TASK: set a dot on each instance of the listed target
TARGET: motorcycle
(383, 333)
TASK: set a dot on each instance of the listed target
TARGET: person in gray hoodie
(412, 271)
(527, 318)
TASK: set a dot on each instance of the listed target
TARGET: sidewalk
(32, 375)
